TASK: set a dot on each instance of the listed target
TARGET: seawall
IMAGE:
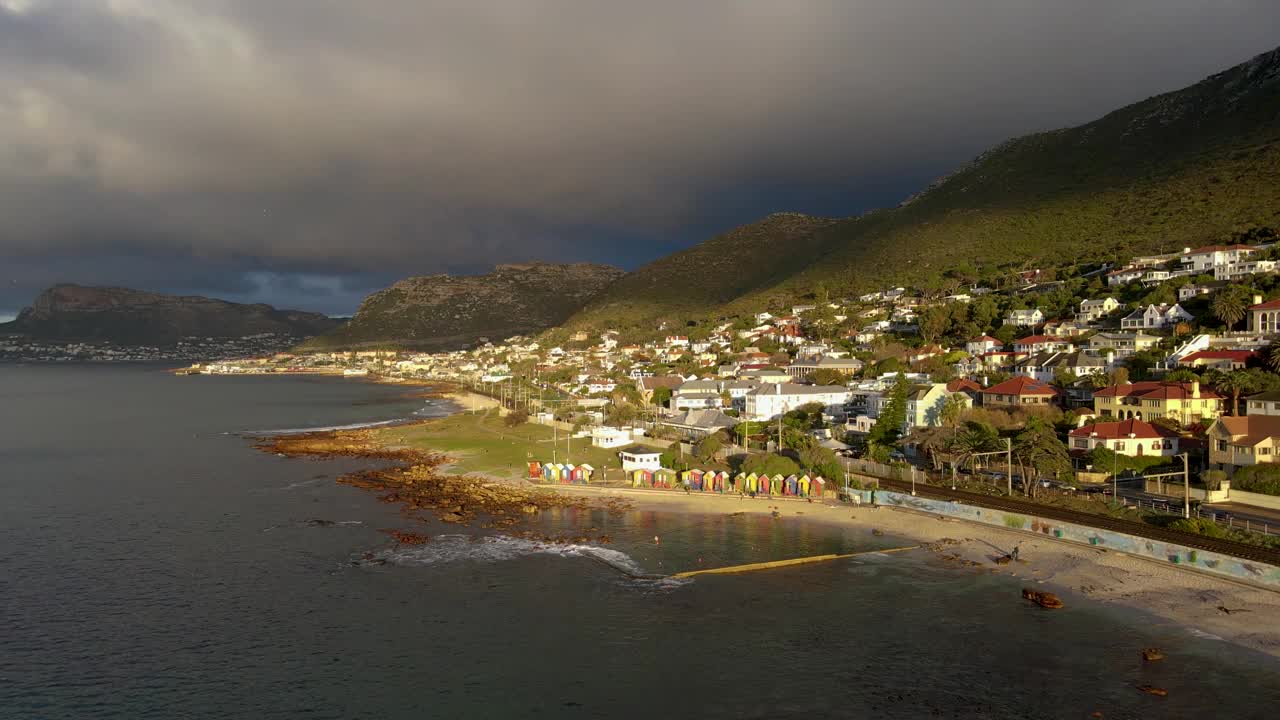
(1202, 560)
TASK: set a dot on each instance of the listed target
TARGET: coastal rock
(451, 517)
(1152, 654)
(1045, 600)
(1153, 690)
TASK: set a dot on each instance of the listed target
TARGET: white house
(610, 437)
(981, 345)
(1155, 317)
(1205, 259)
(770, 401)
(640, 457)
(1242, 269)
(697, 395)
(1025, 318)
(1124, 276)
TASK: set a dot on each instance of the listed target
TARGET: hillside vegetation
(1181, 169)
(444, 312)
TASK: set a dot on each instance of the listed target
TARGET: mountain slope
(134, 317)
(1181, 169)
(445, 312)
(744, 260)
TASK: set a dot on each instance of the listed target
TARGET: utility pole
(1008, 462)
(1186, 486)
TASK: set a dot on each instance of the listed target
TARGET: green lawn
(483, 444)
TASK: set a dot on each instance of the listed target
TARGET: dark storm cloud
(308, 150)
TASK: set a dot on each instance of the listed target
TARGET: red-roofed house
(1184, 402)
(1033, 344)
(1134, 438)
(1020, 392)
(1218, 359)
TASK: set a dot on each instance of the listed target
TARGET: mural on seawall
(1210, 562)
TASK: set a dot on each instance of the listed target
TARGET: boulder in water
(1152, 654)
(1153, 690)
(1045, 600)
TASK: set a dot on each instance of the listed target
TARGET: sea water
(154, 565)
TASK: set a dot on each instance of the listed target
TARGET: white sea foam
(490, 548)
(1203, 635)
(325, 428)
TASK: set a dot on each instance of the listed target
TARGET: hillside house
(1134, 438)
(697, 395)
(1024, 318)
(1155, 317)
(1264, 317)
(770, 401)
(1266, 403)
(984, 344)
(699, 423)
(1205, 259)
(1218, 359)
(1041, 343)
(1184, 403)
(1243, 269)
(1186, 292)
(1092, 310)
(1124, 276)
(1123, 344)
(1238, 441)
(1020, 392)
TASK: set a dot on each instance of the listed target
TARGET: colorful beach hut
(819, 487)
(805, 483)
(695, 479)
(752, 483)
(740, 482)
(550, 472)
(665, 478)
(535, 471)
(791, 486)
(775, 484)
(582, 474)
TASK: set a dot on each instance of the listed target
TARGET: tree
(1234, 383)
(1038, 447)
(1182, 375)
(821, 461)
(893, 416)
(661, 396)
(933, 322)
(516, 417)
(826, 376)
(1230, 303)
(770, 464)
(707, 448)
(1272, 356)
(952, 408)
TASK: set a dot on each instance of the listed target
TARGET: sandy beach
(1197, 601)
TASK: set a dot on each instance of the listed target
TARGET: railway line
(1153, 532)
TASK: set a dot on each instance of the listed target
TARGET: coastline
(1178, 595)
(421, 481)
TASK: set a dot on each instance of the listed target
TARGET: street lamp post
(1186, 487)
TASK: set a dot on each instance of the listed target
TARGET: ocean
(154, 565)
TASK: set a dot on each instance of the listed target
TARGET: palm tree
(1229, 304)
(1233, 383)
(973, 439)
(952, 408)
(1272, 356)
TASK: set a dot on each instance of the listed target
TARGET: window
(1120, 447)
(1082, 443)
(1222, 446)
(1264, 451)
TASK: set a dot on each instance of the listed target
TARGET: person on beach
(1014, 555)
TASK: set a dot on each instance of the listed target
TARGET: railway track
(1153, 532)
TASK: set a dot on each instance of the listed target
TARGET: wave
(1203, 635)
(325, 428)
(499, 548)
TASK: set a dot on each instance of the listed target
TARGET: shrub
(1264, 479)
(516, 417)
(1199, 526)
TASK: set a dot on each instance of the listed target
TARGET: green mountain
(444, 312)
(1185, 168)
(73, 313)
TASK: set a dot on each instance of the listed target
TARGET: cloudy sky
(304, 152)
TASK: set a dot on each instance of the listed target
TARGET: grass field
(482, 443)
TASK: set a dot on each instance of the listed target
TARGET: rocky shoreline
(418, 481)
